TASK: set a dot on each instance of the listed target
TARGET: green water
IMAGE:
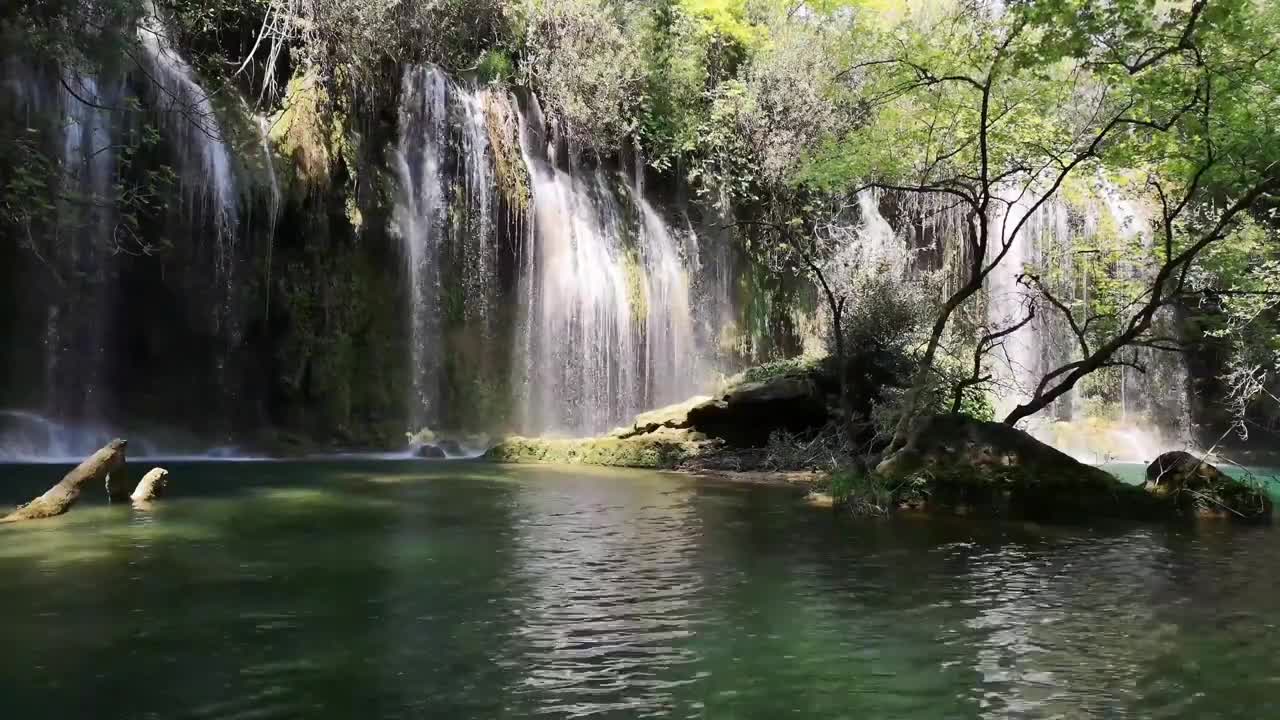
(460, 590)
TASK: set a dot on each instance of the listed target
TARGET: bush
(864, 493)
(780, 368)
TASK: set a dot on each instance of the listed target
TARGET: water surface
(462, 590)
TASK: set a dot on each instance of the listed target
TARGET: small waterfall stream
(191, 126)
(420, 215)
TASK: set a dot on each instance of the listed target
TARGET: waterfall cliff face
(601, 321)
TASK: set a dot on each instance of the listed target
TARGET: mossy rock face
(963, 462)
(655, 453)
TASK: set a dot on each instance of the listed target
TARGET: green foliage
(864, 493)
(802, 365)
(496, 66)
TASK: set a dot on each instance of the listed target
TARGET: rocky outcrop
(744, 415)
(59, 498)
(954, 460)
(1195, 486)
(152, 485)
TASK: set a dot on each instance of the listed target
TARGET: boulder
(954, 460)
(674, 417)
(1196, 487)
(59, 498)
(1177, 469)
(747, 413)
(152, 485)
(430, 452)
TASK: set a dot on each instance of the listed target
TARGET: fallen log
(59, 498)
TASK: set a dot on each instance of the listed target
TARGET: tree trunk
(59, 498)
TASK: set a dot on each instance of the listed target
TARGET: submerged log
(59, 498)
(151, 486)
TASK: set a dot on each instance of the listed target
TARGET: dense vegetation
(781, 112)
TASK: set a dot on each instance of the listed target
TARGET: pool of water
(462, 590)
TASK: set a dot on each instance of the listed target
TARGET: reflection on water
(379, 589)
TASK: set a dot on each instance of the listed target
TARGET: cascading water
(420, 216)
(191, 126)
(78, 329)
(479, 254)
(608, 327)
(1149, 412)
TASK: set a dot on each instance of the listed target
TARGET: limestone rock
(674, 417)
(59, 498)
(152, 485)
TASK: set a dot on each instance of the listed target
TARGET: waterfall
(191, 127)
(608, 321)
(1144, 413)
(479, 254)
(419, 217)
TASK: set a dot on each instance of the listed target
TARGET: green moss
(637, 287)
(306, 132)
(609, 451)
(508, 161)
(779, 368)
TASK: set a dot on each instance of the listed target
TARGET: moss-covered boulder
(1197, 487)
(660, 451)
(954, 460)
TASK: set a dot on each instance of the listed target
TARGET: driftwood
(59, 498)
(151, 486)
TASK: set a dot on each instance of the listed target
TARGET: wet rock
(1197, 487)
(58, 499)
(430, 452)
(152, 485)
